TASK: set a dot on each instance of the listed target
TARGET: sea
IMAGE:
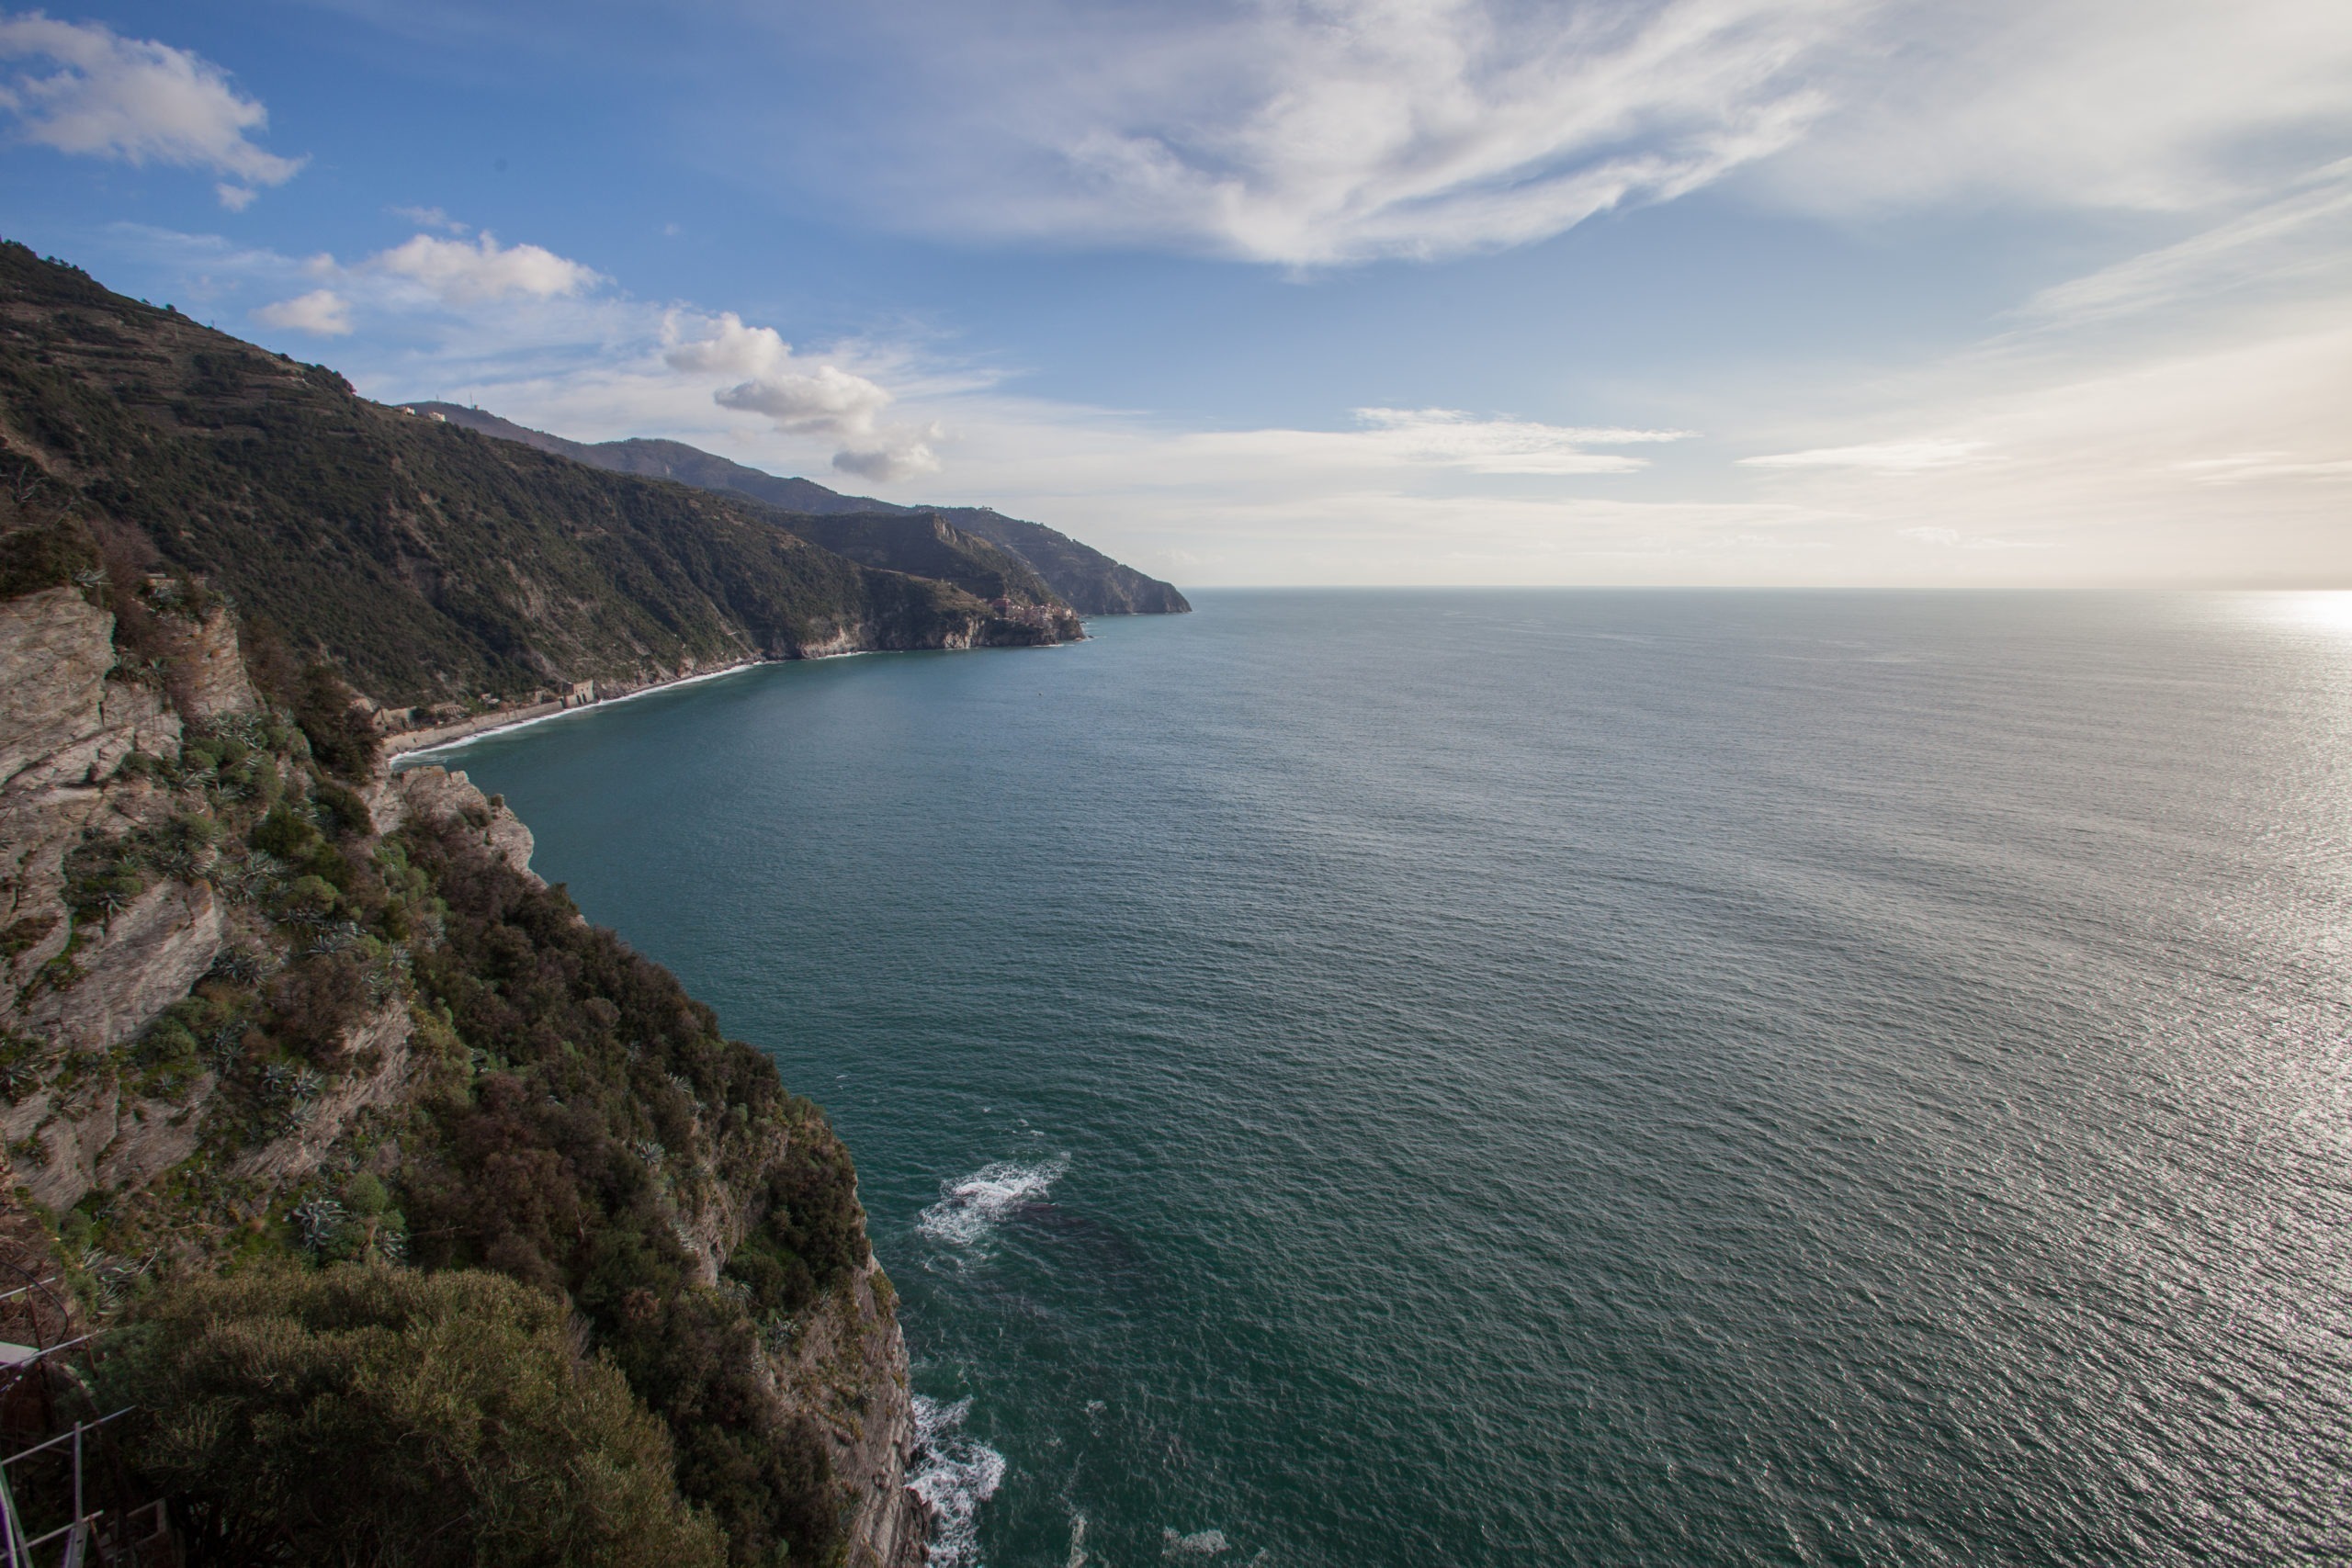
(1365, 1078)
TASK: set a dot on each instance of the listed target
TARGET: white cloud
(1503, 446)
(826, 400)
(136, 100)
(1883, 456)
(1318, 132)
(731, 349)
(805, 397)
(322, 312)
(2147, 104)
(484, 272)
(1313, 132)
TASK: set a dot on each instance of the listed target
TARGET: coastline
(448, 737)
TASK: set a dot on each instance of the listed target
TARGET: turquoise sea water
(1559, 1077)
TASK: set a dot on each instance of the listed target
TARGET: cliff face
(236, 986)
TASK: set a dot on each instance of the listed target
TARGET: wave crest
(969, 1209)
(956, 1475)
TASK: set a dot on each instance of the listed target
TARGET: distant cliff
(262, 1005)
(1091, 582)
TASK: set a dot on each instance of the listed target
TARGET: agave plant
(304, 1104)
(238, 966)
(330, 938)
(317, 1222)
(223, 1046)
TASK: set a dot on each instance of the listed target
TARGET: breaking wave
(969, 1209)
(956, 1475)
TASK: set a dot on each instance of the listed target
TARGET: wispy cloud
(2247, 467)
(1879, 457)
(1310, 133)
(2306, 231)
(1314, 133)
(2155, 106)
(431, 218)
(1456, 439)
(138, 101)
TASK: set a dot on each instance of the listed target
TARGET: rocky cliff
(246, 997)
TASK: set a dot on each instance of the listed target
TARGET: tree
(373, 1418)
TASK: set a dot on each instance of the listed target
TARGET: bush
(367, 1415)
(316, 1001)
(51, 556)
(341, 738)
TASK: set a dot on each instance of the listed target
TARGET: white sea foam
(1200, 1543)
(969, 1209)
(956, 1475)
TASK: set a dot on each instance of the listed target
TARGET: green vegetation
(425, 562)
(444, 1162)
(572, 1108)
(928, 545)
(1079, 575)
(591, 1057)
(367, 1415)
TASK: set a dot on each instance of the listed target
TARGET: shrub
(341, 738)
(314, 1002)
(364, 1414)
(49, 556)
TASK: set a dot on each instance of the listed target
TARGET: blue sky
(1752, 291)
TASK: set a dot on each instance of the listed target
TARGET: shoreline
(393, 759)
(490, 725)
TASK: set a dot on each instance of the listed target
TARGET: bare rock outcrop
(55, 651)
(145, 959)
(207, 680)
(854, 1356)
(435, 795)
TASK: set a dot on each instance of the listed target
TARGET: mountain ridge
(430, 564)
(1091, 582)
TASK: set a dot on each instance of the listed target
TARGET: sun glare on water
(2324, 610)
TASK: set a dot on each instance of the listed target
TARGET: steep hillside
(431, 564)
(1091, 582)
(928, 544)
(269, 1012)
(263, 1003)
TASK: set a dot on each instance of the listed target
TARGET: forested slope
(430, 563)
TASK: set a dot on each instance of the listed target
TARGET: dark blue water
(1549, 1078)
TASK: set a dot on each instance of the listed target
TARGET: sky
(1820, 292)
